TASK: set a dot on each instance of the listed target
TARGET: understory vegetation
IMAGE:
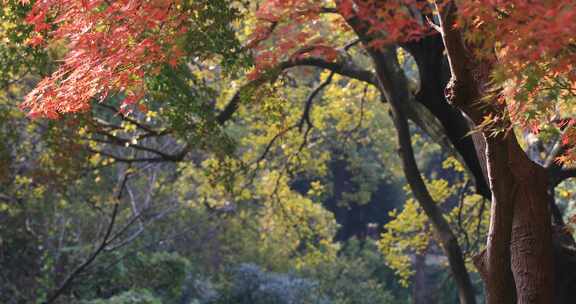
(263, 152)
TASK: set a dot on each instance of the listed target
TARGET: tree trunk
(393, 86)
(531, 246)
(422, 291)
(517, 265)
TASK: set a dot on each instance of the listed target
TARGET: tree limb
(105, 240)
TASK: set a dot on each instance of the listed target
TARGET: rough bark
(518, 260)
(517, 264)
(514, 222)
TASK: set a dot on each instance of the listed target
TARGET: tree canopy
(245, 148)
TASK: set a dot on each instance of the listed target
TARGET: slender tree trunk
(422, 292)
(393, 85)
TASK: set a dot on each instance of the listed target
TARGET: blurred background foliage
(168, 204)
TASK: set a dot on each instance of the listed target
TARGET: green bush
(137, 296)
(252, 285)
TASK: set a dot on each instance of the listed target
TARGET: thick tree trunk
(517, 265)
(531, 246)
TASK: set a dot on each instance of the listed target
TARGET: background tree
(139, 56)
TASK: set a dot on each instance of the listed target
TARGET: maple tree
(530, 78)
(120, 42)
(527, 74)
(511, 65)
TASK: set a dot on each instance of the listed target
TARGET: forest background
(271, 151)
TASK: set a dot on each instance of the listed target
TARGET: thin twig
(80, 269)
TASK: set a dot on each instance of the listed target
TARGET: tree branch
(105, 240)
(310, 101)
(344, 68)
(393, 85)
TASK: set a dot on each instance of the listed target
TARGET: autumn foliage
(113, 45)
(512, 65)
(290, 30)
(536, 57)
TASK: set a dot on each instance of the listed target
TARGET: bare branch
(310, 101)
(344, 68)
(80, 269)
